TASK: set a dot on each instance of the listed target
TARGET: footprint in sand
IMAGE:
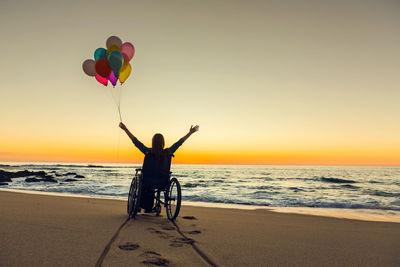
(149, 252)
(189, 218)
(156, 261)
(154, 258)
(168, 228)
(129, 246)
(195, 232)
(179, 242)
(161, 234)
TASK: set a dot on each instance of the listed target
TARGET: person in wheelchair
(156, 164)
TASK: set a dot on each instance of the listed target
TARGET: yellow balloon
(113, 48)
(125, 72)
(124, 65)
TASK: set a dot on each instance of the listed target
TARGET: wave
(381, 193)
(286, 187)
(260, 202)
(374, 182)
(296, 189)
(350, 186)
(336, 180)
(192, 185)
(210, 199)
(262, 187)
(96, 166)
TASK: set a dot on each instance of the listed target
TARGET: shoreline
(372, 215)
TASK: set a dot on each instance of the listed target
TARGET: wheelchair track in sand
(151, 240)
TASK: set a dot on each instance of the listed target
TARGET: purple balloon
(113, 79)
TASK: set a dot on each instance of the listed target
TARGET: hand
(122, 126)
(193, 129)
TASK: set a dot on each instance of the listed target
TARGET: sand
(41, 230)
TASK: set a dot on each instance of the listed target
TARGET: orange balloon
(103, 68)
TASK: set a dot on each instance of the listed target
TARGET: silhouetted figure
(156, 164)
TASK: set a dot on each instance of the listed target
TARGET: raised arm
(123, 127)
(175, 146)
(135, 141)
(191, 131)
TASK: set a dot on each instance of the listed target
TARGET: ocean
(339, 187)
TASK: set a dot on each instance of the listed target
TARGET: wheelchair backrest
(156, 169)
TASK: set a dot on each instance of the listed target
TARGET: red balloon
(102, 80)
(103, 68)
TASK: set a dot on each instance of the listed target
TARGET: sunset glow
(270, 83)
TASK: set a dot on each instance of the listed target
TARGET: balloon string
(118, 151)
(119, 112)
(117, 103)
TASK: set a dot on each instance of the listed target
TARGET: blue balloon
(115, 59)
(100, 53)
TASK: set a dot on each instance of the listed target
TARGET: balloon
(113, 48)
(100, 53)
(102, 80)
(88, 67)
(124, 65)
(113, 79)
(125, 72)
(126, 58)
(103, 68)
(115, 60)
(128, 49)
(113, 40)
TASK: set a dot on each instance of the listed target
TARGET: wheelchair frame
(172, 197)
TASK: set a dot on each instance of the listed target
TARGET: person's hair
(157, 144)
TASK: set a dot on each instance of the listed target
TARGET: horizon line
(233, 164)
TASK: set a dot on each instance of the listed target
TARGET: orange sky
(127, 153)
(274, 82)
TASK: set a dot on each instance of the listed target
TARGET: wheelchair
(172, 196)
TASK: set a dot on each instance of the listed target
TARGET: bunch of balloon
(111, 64)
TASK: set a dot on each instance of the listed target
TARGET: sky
(269, 82)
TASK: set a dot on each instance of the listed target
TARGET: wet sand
(41, 230)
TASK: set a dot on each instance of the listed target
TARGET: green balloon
(115, 59)
(100, 53)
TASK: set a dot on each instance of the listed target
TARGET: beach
(78, 231)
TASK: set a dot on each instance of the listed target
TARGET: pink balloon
(113, 79)
(102, 80)
(125, 56)
(128, 49)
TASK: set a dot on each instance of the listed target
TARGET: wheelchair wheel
(173, 199)
(134, 196)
